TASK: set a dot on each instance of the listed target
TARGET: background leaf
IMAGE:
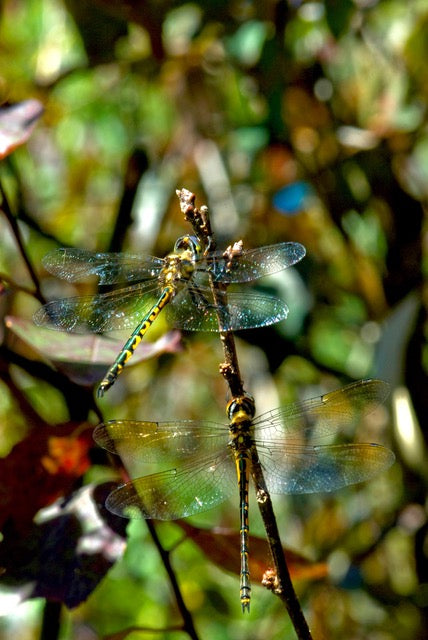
(17, 123)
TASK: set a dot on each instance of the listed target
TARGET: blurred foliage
(303, 121)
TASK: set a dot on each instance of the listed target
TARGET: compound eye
(188, 243)
(244, 404)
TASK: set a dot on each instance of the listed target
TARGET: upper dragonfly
(200, 461)
(184, 278)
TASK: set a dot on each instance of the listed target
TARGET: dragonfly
(200, 462)
(181, 282)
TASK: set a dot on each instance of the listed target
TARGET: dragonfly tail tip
(245, 606)
(100, 391)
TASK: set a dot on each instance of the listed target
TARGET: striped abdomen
(134, 340)
(242, 468)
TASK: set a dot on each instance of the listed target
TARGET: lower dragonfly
(202, 460)
(184, 278)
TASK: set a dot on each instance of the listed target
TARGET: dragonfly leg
(133, 341)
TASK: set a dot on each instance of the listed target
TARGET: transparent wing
(141, 442)
(193, 488)
(254, 263)
(121, 309)
(75, 265)
(323, 417)
(305, 469)
(194, 309)
(290, 441)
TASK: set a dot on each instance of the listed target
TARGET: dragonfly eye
(241, 404)
(188, 243)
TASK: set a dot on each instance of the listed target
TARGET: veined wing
(192, 488)
(194, 309)
(290, 440)
(75, 265)
(254, 263)
(162, 442)
(321, 468)
(121, 309)
(314, 420)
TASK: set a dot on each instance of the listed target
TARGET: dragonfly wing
(322, 468)
(120, 309)
(194, 309)
(139, 443)
(254, 263)
(177, 493)
(75, 265)
(316, 419)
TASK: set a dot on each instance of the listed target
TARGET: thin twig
(199, 219)
(51, 622)
(188, 625)
(136, 167)
(5, 207)
(281, 583)
(14, 286)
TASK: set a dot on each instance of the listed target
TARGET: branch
(280, 581)
(198, 218)
(51, 623)
(5, 207)
(188, 625)
(136, 167)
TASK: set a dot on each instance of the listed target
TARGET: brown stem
(198, 218)
(281, 583)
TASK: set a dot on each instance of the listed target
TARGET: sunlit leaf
(17, 123)
(84, 358)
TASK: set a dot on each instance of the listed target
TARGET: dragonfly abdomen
(135, 339)
(240, 411)
(242, 469)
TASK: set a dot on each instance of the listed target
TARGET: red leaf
(40, 469)
(17, 123)
(222, 547)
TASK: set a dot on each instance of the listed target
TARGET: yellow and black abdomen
(135, 339)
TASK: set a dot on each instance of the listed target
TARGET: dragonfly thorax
(177, 268)
(240, 408)
(180, 265)
(241, 439)
(241, 411)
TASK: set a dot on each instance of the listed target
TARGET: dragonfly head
(240, 409)
(190, 245)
